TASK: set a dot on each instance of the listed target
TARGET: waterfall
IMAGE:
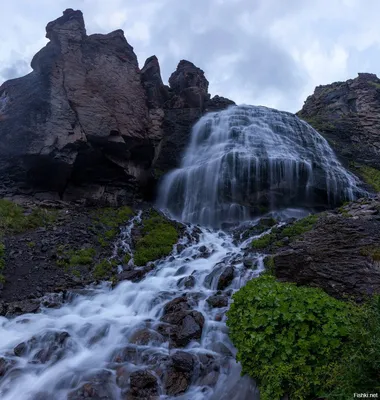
(245, 160)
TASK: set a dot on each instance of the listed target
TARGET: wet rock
(136, 274)
(122, 376)
(212, 277)
(177, 304)
(226, 278)
(22, 307)
(187, 282)
(217, 301)
(221, 348)
(179, 373)
(99, 386)
(185, 327)
(209, 370)
(5, 365)
(49, 346)
(143, 385)
(146, 336)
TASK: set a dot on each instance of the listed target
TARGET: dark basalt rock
(87, 124)
(348, 115)
(217, 301)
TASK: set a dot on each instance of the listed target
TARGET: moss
(14, 220)
(269, 264)
(158, 238)
(103, 268)
(371, 176)
(31, 245)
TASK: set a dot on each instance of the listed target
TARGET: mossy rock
(158, 236)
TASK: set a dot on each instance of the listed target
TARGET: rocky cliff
(87, 123)
(348, 115)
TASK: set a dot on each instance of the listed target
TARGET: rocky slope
(338, 251)
(347, 114)
(88, 123)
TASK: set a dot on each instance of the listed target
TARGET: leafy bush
(288, 338)
(159, 237)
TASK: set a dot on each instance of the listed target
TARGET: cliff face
(86, 123)
(348, 115)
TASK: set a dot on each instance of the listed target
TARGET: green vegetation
(371, 176)
(109, 219)
(302, 342)
(126, 259)
(158, 238)
(264, 241)
(290, 231)
(300, 227)
(31, 245)
(14, 220)
(103, 268)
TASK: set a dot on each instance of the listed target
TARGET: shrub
(288, 338)
(371, 176)
(159, 237)
(263, 241)
(103, 268)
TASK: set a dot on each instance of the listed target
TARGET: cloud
(266, 52)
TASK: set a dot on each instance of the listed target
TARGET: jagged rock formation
(348, 115)
(340, 254)
(87, 123)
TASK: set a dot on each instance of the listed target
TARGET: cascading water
(96, 344)
(246, 159)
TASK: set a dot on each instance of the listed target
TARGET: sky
(262, 52)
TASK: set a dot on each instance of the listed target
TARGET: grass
(14, 220)
(371, 176)
(158, 238)
(291, 232)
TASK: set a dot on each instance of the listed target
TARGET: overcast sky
(262, 52)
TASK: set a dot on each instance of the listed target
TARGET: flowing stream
(96, 344)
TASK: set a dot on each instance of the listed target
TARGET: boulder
(143, 385)
(179, 373)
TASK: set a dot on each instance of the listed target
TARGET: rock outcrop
(348, 115)
(87, 123)
(341, 254)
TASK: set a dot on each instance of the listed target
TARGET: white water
(102, 321)
(246, 158)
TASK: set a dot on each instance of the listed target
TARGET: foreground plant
(298, 340)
